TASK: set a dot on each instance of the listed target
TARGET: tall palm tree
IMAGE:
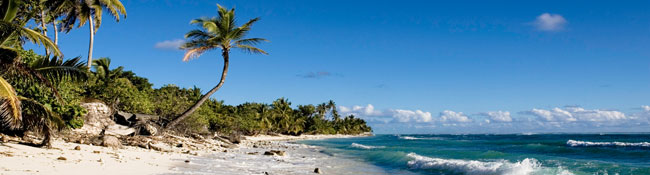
(222, 33)
(86, 11)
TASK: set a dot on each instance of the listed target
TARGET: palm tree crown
(220, 33)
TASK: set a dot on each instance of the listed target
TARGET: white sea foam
(501, 167)
(419, 138)
(577, 143)
(356, 145)
(408, 138)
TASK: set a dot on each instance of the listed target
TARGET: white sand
(22, 159)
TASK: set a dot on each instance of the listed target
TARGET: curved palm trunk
(92, 39)
(206, 96)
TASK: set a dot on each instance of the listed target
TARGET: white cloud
(576, 114)
(550, 22)
(396, 115)
(368, 110)
(499, 116)
(451, 116)
(409, 116)
(169, 44)
(645, 108)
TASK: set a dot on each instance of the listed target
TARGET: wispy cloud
(316, 75)
(169, 44)
(550, 22)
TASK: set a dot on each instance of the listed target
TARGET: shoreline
(241, 158)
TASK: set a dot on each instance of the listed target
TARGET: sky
(410, 66)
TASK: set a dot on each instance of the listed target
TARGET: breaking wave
(471, 167)
(356, 145)
(418, 138)
(577, 143)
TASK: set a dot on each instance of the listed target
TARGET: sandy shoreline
(22, 159)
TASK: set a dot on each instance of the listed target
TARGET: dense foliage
(134, 94)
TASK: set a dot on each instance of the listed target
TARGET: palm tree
(217, 33)
(335, 114)
(14, 30)
(90, 11)
(282, 113)
(265, 117)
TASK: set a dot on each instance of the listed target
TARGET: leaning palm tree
(222, 33)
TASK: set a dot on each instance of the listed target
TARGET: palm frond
(250, 41)
(38, 38)
(242, 31)
(198, 34)
(58, 70)
(10, 111)
(194, 53)
(251, 49)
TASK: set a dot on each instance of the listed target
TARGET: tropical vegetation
(43, 93)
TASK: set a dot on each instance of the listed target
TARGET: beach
(244, 158)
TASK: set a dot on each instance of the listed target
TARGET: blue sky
(551, 66)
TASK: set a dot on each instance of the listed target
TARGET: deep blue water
(498, 154)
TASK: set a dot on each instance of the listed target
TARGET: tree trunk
(207, 95)
(44, 30)
(92, 39)
(56, 33)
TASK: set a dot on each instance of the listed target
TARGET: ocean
(603, 154)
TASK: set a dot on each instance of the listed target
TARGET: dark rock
(61, 158)
(146, 128)
(122, 118)
(278, 152)
(252, 153)
(187, 161)
(197, 136)
(96, 152)
(77, 148)
(143, 118)
(274, 152)
(318, 171)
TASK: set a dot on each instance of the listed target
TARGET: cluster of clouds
(555, 117)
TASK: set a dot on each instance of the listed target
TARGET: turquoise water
(498, 154)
